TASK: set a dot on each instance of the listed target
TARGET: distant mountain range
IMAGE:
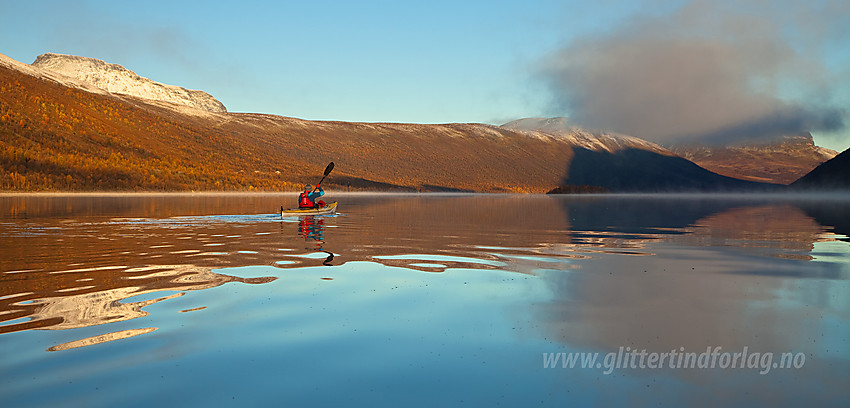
(628, 163)
(782, 161)
(75, 123)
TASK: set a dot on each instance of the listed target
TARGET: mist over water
(419, 299)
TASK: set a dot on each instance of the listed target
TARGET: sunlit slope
(61, 138)
(56, 137)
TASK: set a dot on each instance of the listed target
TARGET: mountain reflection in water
(654, 273)
(63, 270)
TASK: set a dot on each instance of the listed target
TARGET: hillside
(559, 128)
(831, 175)
(61, 137)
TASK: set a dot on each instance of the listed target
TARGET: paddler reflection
(312, 229)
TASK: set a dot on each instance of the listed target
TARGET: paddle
(327, 171)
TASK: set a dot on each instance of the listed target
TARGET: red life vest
(304, 200)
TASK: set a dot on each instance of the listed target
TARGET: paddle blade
(329, 168)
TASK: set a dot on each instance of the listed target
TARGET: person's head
(308, 187)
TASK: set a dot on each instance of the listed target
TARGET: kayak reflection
(312, 229)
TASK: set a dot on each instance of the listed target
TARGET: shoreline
(842, 194)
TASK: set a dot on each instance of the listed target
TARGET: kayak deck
(328, 209)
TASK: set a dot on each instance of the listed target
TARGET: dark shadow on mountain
(833, 174)
(634, 170)
(366, 184)
(442, 189)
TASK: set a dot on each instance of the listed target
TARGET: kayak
(292, 212)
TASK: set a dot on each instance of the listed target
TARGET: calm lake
(425, 300)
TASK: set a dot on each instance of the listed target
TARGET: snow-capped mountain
(116, 79)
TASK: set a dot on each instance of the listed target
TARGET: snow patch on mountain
(116, 79)
(560, 129)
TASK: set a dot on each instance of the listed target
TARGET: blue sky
(341, 60)
(438, 61)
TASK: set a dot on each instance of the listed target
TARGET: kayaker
(307, 198)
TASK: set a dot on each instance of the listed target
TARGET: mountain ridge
(559, 127)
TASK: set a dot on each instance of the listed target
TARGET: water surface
(420, 300)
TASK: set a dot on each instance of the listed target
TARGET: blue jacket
(316, 194)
